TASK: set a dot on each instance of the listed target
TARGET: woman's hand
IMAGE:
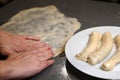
(26, 64)
(12, 43)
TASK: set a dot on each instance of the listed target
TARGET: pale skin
(27, 56)
(12, 43)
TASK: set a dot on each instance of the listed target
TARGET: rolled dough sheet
(47, 22)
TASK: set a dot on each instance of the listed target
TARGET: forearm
(2, 35)
(1, 31)
(5, 70)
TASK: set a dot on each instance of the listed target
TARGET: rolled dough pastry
(103, 51)
(92, 45)
(115, 59)
(48, 23)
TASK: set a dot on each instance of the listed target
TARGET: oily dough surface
(47, 22)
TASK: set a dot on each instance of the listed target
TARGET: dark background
(4, 2)
(90, 13)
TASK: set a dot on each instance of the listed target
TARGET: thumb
(31, 37)
(7, 52)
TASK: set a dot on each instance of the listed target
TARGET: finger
(46, 55)
(7, 51)
(35, 51)
(31, 37)
(48, 45)
(45, 64)
(35, 45)
(43, 48)
(30, 45)
(42, 44)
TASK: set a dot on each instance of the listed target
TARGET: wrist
(3, 35)
(5, 70)
(2, 31)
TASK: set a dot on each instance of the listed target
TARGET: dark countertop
(90, 13)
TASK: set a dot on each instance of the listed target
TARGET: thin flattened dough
(115, 59)
(103, 51)
(92, 44)
(48, 23)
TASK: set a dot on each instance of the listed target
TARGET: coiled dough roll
(103, 51)
(115, 59)
(91, 46)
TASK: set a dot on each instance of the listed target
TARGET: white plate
(79, 41)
